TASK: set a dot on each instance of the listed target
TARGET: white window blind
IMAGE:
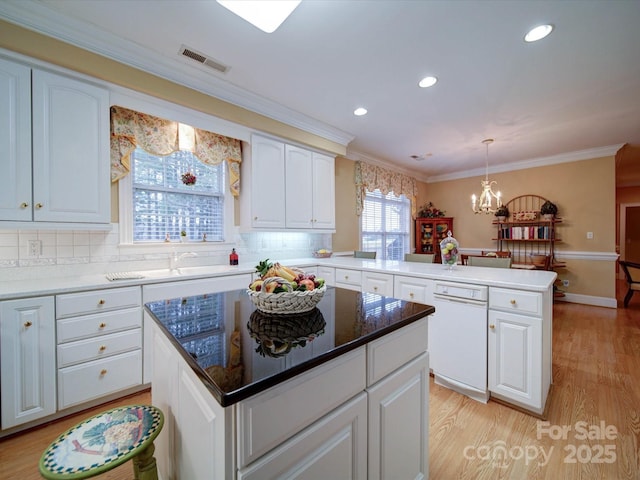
(385, 225)
(163, 205)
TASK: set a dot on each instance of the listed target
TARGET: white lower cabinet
(380, 283)
(413, 289)
(27, 360)
(399, 423)
(333, 447)
(323, 423)
(99, 346)
(519, 340)
(328, 273)
(514, 357)
(349, 279)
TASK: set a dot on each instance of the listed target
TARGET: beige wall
(347, 227)
(584, 192)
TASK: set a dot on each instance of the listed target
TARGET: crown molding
(567, 157)
(355, 156)
(42, 19)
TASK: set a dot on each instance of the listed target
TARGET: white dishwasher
(458, 338)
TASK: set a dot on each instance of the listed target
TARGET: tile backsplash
(29, 253)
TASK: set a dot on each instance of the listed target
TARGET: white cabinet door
(413, 289)
(70, 150)
(514, 357)
(329, 275)
(380, 283)
(27, 360)
(15, 141)
(399, 423)
(299, 187)
(324, 192)
(267, 183)
(335, 447)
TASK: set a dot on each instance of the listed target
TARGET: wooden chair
(494, 262)
(632, 273)
(361, 254)
(505, 254)
(419, 257)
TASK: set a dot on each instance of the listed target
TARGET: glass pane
(165, 205)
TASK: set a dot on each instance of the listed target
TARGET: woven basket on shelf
(287, 302)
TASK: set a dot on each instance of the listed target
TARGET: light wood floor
(596, 374)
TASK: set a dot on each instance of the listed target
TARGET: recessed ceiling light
(266, 15)
(360, 111)
(538, 33)
(427, 82)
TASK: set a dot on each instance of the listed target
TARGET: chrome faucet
(175, 259)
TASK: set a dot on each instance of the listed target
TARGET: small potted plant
(183, 236)
(548, 210)
(502, 213)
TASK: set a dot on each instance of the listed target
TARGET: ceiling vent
(203, 59)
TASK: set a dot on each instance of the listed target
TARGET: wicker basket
(287, 302)
(322, 255)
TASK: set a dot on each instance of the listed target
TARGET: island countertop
(237, 351)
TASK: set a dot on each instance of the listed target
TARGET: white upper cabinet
(15, 141)
(267, 183)
(324, 192)
(299, 181)
(55, 149)
(290, 188)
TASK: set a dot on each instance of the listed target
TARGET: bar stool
(104, 442)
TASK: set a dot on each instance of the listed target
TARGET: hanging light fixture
(484, 203)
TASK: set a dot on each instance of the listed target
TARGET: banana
(284, 272)
(283, 282)
(272, 272)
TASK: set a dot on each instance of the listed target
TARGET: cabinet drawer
(380, 283)
(87, 381)
(413, 289)
(76, 328)
(98, 301)
(271, 417)
(329, 275)
(390, 352)
(101, 347)
(348, 277)
(515, 301)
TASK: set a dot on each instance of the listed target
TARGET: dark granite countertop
(238, 351)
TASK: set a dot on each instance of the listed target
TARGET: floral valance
(371, 177)
(131, 129)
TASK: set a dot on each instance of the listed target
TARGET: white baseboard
(589, 300)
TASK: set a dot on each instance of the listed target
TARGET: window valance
(131, 129)
(372, 177)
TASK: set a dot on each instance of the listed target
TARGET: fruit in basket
(277, 278)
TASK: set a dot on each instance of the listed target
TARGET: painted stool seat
(104, 442)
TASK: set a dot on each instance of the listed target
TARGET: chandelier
(484, 203)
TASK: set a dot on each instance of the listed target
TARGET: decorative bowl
(287, 302)
(321, 255)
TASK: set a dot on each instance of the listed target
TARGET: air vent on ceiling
(202, 58)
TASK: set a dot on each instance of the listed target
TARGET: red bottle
(233, 257)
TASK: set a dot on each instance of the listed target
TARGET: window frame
(123, 189)
(406, 235)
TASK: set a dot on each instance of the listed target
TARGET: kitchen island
(337, 392)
